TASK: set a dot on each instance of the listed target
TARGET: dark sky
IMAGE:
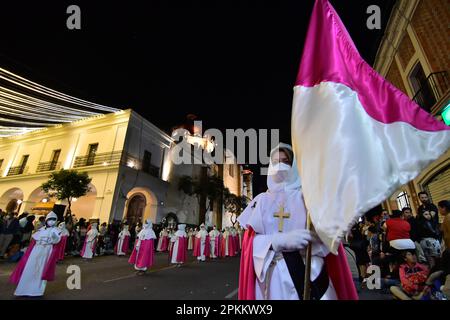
(232, 63)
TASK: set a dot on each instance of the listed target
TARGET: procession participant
(235, 239)
(90, 242)
(38, 264)
(123, 242)
(178, 252)
(143, 252)
(272, 259)
(170, 235)
(163, 241)
(201, 245)
(228, 243)
(214, 240)
(190, 239)
(62, 244)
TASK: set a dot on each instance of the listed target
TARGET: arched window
(402, 200)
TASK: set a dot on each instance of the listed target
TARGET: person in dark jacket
(428, 236)
(9, 228)
(427, 205)
(408, 216)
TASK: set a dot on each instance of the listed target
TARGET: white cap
(50, 215)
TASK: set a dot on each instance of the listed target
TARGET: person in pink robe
(62, 244)
(163, 241)
(38, 265)
(123, 242)
(178, 251)
(143, 253)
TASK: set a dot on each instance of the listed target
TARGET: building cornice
(61, 129)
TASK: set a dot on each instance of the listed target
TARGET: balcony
(16, 171)
(432, 91)
(48, 166)
(105, 159)
(134, 163)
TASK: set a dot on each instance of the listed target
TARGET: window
(402, 200)
(23, 164)
(55, 158)
(147, 161)
(1, 163)
(423, 94)
(92, 151)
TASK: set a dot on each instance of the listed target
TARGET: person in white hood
(38, 264)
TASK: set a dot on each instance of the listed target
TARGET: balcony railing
(15, 171)
(132, 162)
(106, 159)
(48, 166)
(114, 158)
(436, 86)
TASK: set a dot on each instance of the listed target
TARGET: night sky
(232, 63)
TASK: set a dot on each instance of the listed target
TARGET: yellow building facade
(413, 55)
(110, 148)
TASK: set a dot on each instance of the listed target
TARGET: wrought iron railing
(132, 162)
(48, 166)
(436, 86)
(15, 171)
(106, 159)
(114, 158)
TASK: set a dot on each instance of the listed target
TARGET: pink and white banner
(356, 137)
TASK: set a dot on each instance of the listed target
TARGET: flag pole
(307, 285)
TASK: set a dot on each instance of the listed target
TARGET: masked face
(51, 222)
(279, 172)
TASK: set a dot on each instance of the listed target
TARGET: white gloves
(292, 240)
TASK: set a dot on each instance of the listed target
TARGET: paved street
(111, 277)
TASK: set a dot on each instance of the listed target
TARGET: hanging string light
(26, 106)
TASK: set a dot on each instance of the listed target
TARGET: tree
(210, 188)
(66, 185)
(234, 204)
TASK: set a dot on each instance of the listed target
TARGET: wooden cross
(281, 215)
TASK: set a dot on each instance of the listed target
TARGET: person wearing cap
(38, 264)
(143, 253)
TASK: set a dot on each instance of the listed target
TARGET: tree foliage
(66, 185)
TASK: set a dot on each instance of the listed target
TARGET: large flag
(356, 137)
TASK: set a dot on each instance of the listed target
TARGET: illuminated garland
(27, 106)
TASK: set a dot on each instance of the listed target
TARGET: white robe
(174, 241)
(213, 237)
(31, 283)
(261, 219)
(91, 237)
(202, 234)
(225, 236)
(121, 239)
(146, 233)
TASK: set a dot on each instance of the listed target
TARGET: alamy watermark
(212, 147)
(73, 282)
(73, 22)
